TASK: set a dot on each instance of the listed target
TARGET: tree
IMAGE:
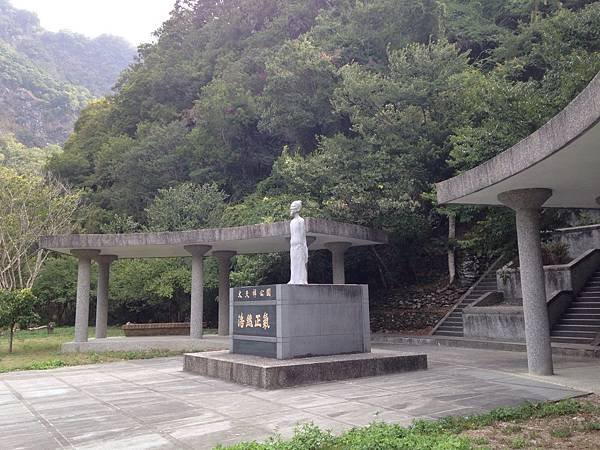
(56, 289)
(30, 207)
(24, 159)
(295, 103)
(16, 307)
(186, 207)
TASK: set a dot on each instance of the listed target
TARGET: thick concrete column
(104, 262)
(197, 294)
(338, 249)
(224, 261)
(82, 307)
(527, 204)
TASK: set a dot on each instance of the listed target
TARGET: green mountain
(47, 78)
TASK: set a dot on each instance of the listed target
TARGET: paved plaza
(154, 404)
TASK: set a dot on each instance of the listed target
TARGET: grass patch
(562, 432)
(591, 426)
(38, 350)
(424, 435)
(518, 442)
(512, 429)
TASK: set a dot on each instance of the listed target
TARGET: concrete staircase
(581, 322)
(452, 324)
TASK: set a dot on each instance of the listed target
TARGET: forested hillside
(47, 78)
(354, 106)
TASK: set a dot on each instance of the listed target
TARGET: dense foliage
(355, 106)
(47, 78)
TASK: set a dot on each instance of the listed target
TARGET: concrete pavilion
(558, 166)
(222, 243)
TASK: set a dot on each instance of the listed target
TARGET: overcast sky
(135, 20)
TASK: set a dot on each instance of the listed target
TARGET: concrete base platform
(209, 342)
(558, 348)
(269, 373)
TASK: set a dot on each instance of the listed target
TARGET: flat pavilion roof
(263, 238)
(563, 155)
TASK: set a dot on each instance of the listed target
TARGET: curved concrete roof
(563, 155)
(262, 238)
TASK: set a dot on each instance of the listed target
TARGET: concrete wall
(563, 277)
(578, 239)
(498, 323)
(507, 323)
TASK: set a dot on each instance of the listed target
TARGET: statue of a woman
(298, 247)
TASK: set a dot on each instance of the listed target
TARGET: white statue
(298, 247)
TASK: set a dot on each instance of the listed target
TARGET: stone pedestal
(288, 335)
(291, 321)
(269, 373)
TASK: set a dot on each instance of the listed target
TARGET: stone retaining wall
(563, 277)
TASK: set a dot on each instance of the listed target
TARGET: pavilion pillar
(197, 294)
(104, 262)
(82, 307)
(527, 204)
(338, 249)
(224, 261)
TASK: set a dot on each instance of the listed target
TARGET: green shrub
(43, 365)
(442, 434)
(555, 253)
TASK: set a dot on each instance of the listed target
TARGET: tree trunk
(10, 338)
(451, 254)
(380, 267)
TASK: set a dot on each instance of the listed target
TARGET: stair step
(449, 333)
(575, 316)
(584, 304)
(573, 340)
(446, 326)
(584, 310)
(569, 321)
(577, 327)
(578, 334)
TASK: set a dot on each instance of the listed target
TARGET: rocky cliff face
(47, 78)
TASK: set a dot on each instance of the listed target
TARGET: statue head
(295, 207)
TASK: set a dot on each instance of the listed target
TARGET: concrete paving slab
(153, 404)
